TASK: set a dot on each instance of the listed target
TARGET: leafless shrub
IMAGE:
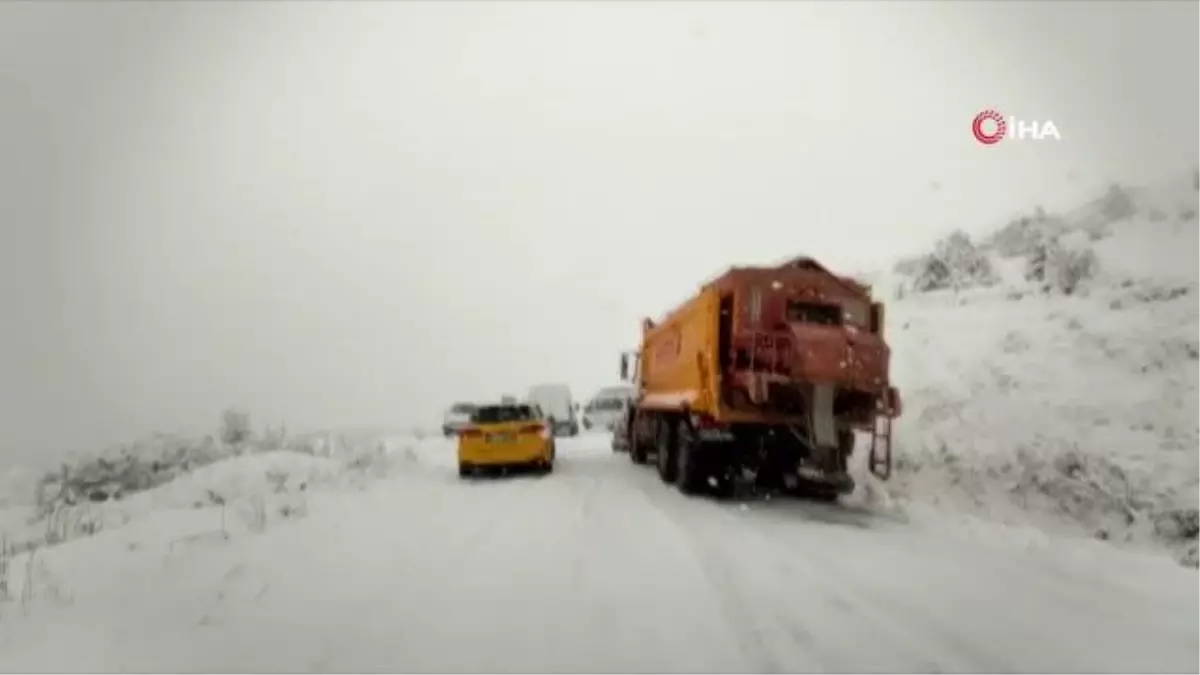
(70, 522)
(27, 588)
(235, 426)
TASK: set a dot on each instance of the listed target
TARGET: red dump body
(800, 324)
(807, 324)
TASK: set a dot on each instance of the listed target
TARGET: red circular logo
(981, 134)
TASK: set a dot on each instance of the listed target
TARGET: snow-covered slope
(191, 482)
(1073, 412)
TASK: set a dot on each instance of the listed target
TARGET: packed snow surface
(595, 568)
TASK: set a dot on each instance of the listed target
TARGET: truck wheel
(845, 447)
(464, 470)
(666, 441)
(637, 451)
(689, 467)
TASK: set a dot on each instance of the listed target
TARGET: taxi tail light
(540, 429)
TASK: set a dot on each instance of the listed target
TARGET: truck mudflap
(808, 477)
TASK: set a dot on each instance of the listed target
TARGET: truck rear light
(703, 422)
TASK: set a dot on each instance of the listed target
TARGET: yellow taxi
(506, 435)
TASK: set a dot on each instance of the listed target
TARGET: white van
(556, 402)
(606, 408)
(456, 417)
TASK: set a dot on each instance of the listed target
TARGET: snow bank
(191, 485)
(1065, 398)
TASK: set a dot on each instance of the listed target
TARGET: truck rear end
(769, 372)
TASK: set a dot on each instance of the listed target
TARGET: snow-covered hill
(1049, 373)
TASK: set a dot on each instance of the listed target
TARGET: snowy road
(600, 568)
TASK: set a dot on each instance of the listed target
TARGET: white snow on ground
(598, 567)
(1067, 413)
(1028, 416)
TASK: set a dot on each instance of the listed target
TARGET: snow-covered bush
(1060, 269)
(143, 465)
(955, 263)
(1117, 204)
(1016, 238)
(1178, 524)
(235, 426)
(1022, 235)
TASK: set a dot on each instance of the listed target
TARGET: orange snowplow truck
(766, 372)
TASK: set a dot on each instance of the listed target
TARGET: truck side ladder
(880, 461)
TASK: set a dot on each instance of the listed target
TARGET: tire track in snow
(742, 619)
(786, 637)
(823, 576)
(424, 565)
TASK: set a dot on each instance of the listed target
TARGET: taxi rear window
(495, 414)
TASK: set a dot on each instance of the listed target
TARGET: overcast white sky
(353, 213)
